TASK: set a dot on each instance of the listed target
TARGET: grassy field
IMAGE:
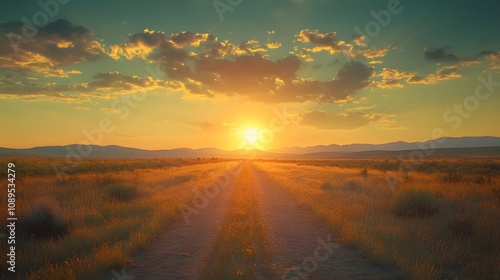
(440, 223)
(437, 220)
(94, 219)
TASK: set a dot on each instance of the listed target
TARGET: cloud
(118, 83)
(206, 66)
(440, 55)
(493, 57)
(392, 78)
(351, 77)
(328, 121)
(469, 61)
(209, 127)
(57, 44)
(322, 41)
(174, 47)
(445, 73)
(390, 84)
(328, 42)
(264, 80)
(103, 85)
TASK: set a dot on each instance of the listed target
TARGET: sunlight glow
(251, 135)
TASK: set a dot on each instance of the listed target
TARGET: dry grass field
(438, 221)
(99, 215)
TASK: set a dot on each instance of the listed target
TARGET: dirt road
(302, 247)
(177, 252)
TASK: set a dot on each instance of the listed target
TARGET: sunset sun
(251, 135)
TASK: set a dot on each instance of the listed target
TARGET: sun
(251, 135)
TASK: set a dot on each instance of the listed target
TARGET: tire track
(302, 249)
(178, 251)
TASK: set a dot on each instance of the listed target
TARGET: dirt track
(177, 252)
(299, 241)
(303, 248)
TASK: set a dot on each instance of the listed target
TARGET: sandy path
(178, 251)
(294, 235)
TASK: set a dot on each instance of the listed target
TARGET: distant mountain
(470, 145)
(405, 154)
(113, 151)
(444, 142)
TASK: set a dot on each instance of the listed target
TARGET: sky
(236, 74)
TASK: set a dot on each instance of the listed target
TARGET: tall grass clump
(461, 227)
(44, 220)
(364, 172)
(327, 186)
(123, 192)
(356, 186)
(415, 203)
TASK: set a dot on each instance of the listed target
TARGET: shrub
(327, 186)
(415, 203)
(44, 220)
(123, 192)
(177, 180)
(451, 177)
(496, 193)
(356, 186)
(364, 172)
(461, 227)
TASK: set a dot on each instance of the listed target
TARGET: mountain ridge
(329, 151)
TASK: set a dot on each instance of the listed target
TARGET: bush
(364, 172)
(123, 193)
(356, 186)
(44, 220)
(327, 186)
(415, 203)
(452, 177)
(461, 227)
(496, 193)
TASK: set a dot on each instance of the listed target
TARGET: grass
(123, 192)
(461, 227)
(415, 203)
(240, 250)
(440, 223)
(44, 220)
(111, 213)
(327, 186)
(454, 237)
(355, 185)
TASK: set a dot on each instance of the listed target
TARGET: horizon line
(253, 148)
